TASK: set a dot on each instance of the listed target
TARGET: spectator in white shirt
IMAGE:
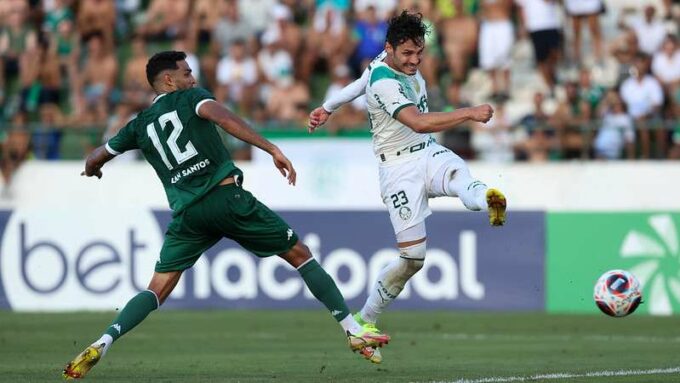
(236, 77)
(666, 66)
(643, 96)
(616, 132)
(541, 18)
(384, 8)
(274, 64)
(257, 13)
(650, 31)
(493, 141)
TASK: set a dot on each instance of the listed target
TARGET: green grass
(307, 346)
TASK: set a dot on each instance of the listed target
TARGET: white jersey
(387, 93)
(413, 167)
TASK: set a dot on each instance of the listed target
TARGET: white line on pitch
(541, 337)
(567, 375)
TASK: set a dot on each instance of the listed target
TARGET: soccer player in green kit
(178, 138)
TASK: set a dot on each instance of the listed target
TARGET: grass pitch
(307, 346)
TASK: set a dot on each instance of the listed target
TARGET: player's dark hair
(162, 61)
(406, 26)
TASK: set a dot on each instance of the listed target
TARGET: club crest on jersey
(405, 213)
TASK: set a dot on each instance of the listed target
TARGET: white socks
(470, 191)
(351, 325)
(390, 282)
(107, 340)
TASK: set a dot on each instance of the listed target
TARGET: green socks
(324, 289)
(317, 280)
(134, 313)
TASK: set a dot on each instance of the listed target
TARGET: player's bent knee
(298, 255)
(162, 284)
(414, 252)
(413, 266)
(413, 258)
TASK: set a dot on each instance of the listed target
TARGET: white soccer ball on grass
(617, 293)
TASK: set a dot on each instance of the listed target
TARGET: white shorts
(583, 7)
(407, 184)
(496, 39)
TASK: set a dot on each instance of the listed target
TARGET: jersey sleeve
(124, 140)
(347, 94)
(198, 96)
(391, 96)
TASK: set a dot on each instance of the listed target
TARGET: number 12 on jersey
(177, 127)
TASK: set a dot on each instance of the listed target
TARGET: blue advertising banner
(52, 263)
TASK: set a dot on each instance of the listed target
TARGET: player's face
(182, 77)
(406, 57)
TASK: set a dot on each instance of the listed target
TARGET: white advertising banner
(338, 185)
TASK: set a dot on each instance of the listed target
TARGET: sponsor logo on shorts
(405, 213)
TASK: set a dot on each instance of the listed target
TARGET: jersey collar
(158, 98)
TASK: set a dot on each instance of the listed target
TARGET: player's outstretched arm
(238, 128)
(95, 161)
(320, 115)
(440, 121)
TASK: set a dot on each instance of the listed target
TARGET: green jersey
(184, 149)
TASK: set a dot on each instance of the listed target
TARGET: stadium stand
(570, 80)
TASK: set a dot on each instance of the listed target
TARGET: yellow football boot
(497, 204)
(79, 366)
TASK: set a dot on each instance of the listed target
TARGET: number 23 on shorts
(399, 199)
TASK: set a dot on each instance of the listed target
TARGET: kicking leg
(459, 183)
(134, 312)
(475, 195)
(325, 290)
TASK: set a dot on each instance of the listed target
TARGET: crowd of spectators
(79, 66)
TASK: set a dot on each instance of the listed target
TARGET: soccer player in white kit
(413, 166)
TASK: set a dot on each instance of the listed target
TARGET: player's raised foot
(78, 367)
(497, 204)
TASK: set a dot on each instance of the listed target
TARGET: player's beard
(404, 66)
(408, 68)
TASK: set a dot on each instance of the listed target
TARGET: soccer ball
(617, 293)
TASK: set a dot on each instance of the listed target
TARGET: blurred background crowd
(570, 79)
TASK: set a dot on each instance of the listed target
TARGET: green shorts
(226, 211)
